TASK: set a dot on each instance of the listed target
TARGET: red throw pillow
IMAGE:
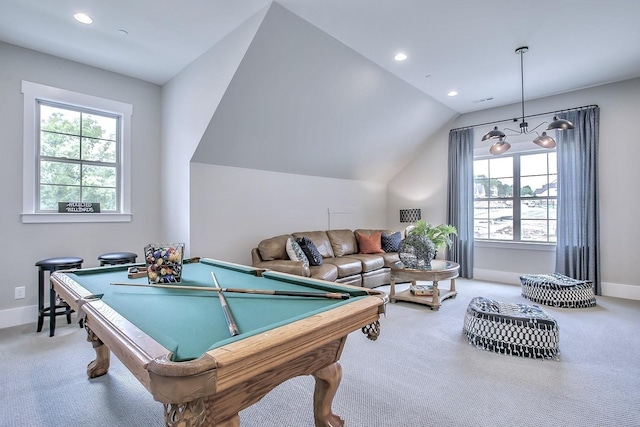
(370, 244)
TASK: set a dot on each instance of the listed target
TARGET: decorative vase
(416, 252)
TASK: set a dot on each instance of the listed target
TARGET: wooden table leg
(189, 414)
(100, 365)
(436, 295)
(327, 382)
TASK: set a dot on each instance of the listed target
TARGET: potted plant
(440, 235)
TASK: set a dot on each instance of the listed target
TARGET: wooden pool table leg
(327, 382)
(194, 414)
(100, 365)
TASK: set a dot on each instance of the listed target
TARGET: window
(515, 197)
(76, 149)
(77, 157)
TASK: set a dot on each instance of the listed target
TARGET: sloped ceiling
(302, 102)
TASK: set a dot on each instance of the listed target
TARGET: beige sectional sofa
(342, 261)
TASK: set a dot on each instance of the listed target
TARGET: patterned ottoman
(557, 290)
(515, 329)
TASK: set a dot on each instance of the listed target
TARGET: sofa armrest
(285, 266)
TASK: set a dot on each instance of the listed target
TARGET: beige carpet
(420, 372)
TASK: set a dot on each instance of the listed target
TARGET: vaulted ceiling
(302, 102)
(462, 45)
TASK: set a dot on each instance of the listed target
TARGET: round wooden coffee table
(440, 270)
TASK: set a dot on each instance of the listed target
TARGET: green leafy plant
(439, 235)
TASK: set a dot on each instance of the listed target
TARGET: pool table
(178, 344)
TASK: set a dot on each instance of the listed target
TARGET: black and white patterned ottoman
(557, 290)
(515, 329)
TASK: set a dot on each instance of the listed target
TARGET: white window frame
(33, 92)
(517, 199)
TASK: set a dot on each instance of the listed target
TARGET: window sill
(43, 218)
(547, 247)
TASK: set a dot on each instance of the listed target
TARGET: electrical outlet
(20, 292)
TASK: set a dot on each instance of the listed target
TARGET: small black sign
(78, 207)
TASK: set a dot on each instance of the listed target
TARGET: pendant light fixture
(544, 140)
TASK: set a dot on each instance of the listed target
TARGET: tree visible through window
(515, 197)
(77, 157)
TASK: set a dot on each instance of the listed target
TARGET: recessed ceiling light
(452, 93)
(123, 33)
(400, 57)
(83, 17)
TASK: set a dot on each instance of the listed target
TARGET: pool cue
(330, 295)
(152, 285)
(233, 328)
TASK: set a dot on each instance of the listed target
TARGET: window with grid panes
(515, 197)
(77, 157)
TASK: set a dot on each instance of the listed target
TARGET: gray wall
(292, 135)
(25, 244)
(422, 184)
(189, 101)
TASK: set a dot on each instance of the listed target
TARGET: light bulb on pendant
(544, 141)
(500, 147)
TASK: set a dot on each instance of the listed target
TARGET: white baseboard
(620, 290)
(507, 277)
(617, 290)
(19, 316)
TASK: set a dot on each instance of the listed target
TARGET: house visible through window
(77, 157)
(77, 149)
(515, 197)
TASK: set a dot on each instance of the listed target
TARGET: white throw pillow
(295, 252)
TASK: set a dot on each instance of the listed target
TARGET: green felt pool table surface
(191, 322)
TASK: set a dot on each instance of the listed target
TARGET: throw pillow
(391, 242)
(369, 244)
(310, 250)
(295, 252)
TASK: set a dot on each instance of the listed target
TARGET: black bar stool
(115, 258)
(54, 309)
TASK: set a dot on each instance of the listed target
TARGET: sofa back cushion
(320, 240)
(273, 248)
(343, 242)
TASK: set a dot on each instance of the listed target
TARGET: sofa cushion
(369, 244)
(273, 248)
(324, 272)
(320, 240)
(370, 262)
(310, 250)
(343, 242)
(347, 266)
(390, 242)
(295, 252)
(390, 259)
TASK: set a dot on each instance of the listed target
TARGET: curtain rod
(515, 119)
